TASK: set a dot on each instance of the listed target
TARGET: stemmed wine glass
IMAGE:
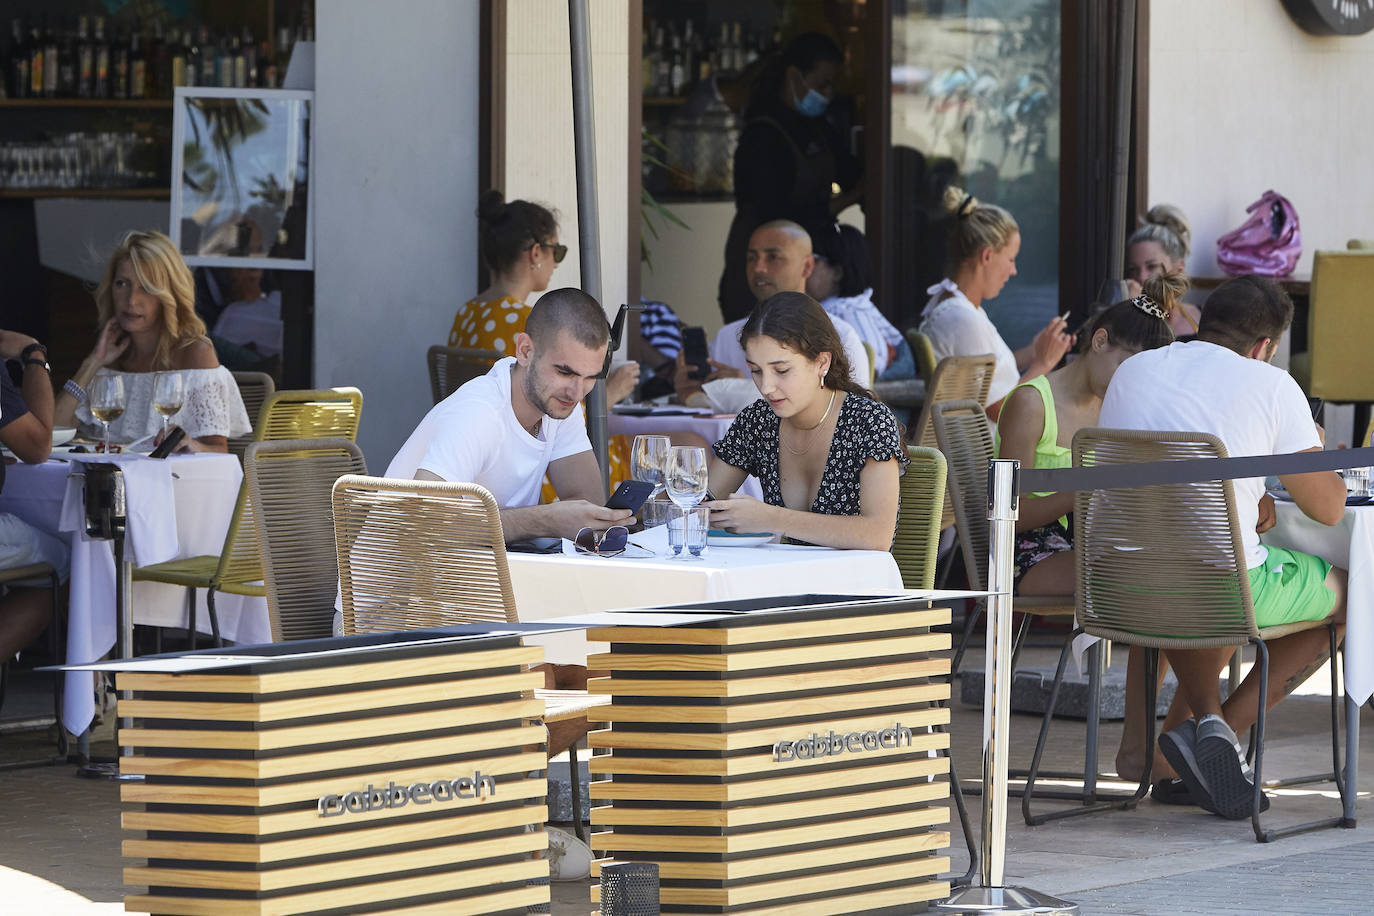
(107, 402)
(686, 479)
(649, 460)
(168, 393)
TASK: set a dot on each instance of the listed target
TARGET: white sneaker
(570, 859)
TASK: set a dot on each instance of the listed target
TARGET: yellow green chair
(924, 352)
(1340, 324)
(328, 413)
(918, 526)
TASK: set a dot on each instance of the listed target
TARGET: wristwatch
(28, 361)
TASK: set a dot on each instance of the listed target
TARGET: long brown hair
(162, 272)
(798, 322)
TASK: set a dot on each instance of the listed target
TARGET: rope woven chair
(452, 367)
(32, 575)
(918, 525)
(290, 485)
(255, 388)
(310, 414)
(1170, 560)
(955, 378)
(414, 554)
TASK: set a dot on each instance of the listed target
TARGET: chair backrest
(1340, 324)
(330, 413)
(450, 368)
(918, 526)
(872, 362)
(1360, 245)
(955, 378)
(924, 353)
(418, 553)
(291, 484)
(965, 439)
(254, 388)
(1160, 566)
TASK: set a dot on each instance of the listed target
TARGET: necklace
(810, 428)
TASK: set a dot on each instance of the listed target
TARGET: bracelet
(75, 390)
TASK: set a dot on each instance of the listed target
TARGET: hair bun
(1166, 289)
(1172, 219)
(958, 202)
(491, 205)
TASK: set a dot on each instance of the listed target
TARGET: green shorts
(1289, 587)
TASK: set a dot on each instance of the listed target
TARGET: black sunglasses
(617, 333)
(559, 251)
(609, 544)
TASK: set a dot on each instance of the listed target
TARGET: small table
(559, 586)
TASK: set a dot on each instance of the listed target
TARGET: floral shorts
(1039, 544)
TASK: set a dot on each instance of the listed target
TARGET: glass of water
(1356, 481)
(687, 531)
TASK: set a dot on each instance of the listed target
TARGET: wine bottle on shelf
(663, 78)
(267, 66)
(723, 59)
(66, 61)
(85, 59)
(35, 62)
(285, 43)
(119, 67)
(250, 59)
(157, 73)
(51, 64)
(101, 86)
(224, 62)
(208, 56)
(138, 68)
(191, 50)
(19, 60)
(677, 72)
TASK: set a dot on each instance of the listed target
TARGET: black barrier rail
(1155, 473)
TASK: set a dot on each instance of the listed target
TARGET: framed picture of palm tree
(241, 177)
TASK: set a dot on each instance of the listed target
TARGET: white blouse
(957, 327)
(211, 406)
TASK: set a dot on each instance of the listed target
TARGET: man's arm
(1320, 494)
(578, 477)
(28, 436)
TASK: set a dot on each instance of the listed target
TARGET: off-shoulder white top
(211, 406)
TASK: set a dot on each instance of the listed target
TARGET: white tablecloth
(179, 507)
(1349, 545)
(710, 427)
(557, 586)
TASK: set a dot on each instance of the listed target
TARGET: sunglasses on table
(559, 251)
(610, 543)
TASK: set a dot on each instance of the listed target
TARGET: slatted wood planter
(736, 822)
(404, 778)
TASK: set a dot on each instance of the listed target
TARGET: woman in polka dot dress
(519, 243)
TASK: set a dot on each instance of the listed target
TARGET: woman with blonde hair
(145, 304)
(1160, 245)
(983, 243)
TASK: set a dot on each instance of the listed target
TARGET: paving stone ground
(60, 835)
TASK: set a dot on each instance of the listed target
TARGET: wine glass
(168, 393)
(107, 402)
(685, 475)
(648, 461)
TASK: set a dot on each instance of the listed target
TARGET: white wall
(395, 184)
(539, 158)
(1241, 101)
(76, 236)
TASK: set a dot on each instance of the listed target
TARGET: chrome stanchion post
(992, 896)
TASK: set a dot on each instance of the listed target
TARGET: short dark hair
(805, 52)
(568, 309)
(845, 247)
(508, 228)
(1244, 311)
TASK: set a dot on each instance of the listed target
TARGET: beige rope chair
(1163, 567)
(417, 553)
(41, 575)
(310, 414)
(955, 378)
(255, 388)
(918, 524)
(290, 484)
(452, 367)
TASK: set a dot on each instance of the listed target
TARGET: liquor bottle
(85, 59)
(191, 52)
(663, 76)
(724, 60)
(736, 48)
(267, 66)
(51, 63)
(285, 41)
(101, 86)
(158, 65)
(250, 59)
(67, 62)
(240, 65)
(224, 62)
(35, 62)
(702, 56)
(119, 67)
(689, 60)
(208, 56)
(138, 68)
(677, 72)
(19, 61)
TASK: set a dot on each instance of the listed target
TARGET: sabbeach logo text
(832, 744)
(393, 796)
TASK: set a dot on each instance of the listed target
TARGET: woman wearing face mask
(789, 157)
(983, 243)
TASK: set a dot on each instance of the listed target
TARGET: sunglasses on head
(559, 251)
(608, 544)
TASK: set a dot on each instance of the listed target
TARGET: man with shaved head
(523, 419)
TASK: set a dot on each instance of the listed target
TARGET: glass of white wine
(168, 393)
(107, 402)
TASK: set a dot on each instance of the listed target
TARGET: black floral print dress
(864, 429)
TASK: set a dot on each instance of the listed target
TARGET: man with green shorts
(1222, 383)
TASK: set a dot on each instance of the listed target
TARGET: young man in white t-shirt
(1222, 383)
(523, 419)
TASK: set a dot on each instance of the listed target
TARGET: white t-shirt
(957, 327)
(1252, 407)
(727, 351)
(472, 436)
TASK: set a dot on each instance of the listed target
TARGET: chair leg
(191, 618)
(1022, 630)
(214, 617)
(575, 788)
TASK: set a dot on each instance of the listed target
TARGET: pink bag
(1268, 243)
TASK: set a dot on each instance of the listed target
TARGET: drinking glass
(648, 461)
(107, 402)
(168, 393)
(686, 475)
(688, 528)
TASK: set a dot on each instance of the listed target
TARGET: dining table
(176, 507)
(1348, 545)
(662, 420)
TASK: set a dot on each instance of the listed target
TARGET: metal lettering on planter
(394, 796)
(833, 744)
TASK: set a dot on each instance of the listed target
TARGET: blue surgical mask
(811, 105)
